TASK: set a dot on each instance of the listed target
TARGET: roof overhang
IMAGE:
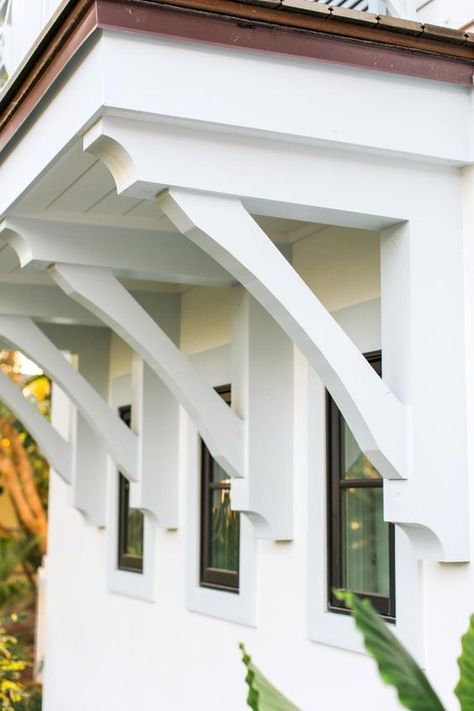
(297, 28)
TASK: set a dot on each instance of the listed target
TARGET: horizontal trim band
(229, 23)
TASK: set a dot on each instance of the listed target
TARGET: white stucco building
(265, 205)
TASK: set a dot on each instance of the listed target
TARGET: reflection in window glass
(220, 526)
(224, 539)
(131, 529)
(361, 543)
(365, 545)
(131, 521)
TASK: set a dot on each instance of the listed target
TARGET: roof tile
(309, 6)
(408, 27)
(445, 33)
(355, 16)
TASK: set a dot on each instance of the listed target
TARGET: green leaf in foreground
(465, 688)
(262, 695)
(396, 666)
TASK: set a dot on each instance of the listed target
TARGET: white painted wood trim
(100, 291)
(57, 451)
(225, 230)
(155, 417)
(163, 256)
(324, 626)
(136, 585)
(215, 366)
(262, 393)
(121, 442)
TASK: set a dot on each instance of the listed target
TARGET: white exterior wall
(118, 652)
(114, 650)
(96, 637)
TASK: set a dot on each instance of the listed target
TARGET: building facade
(238, 237)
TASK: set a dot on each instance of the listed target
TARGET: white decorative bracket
(155, 416)
(91, 346)
(55, 448)
(224, 229)
(262, 393)
(386, 416)
(383, 427)
(121, 442)
(100, 292)
(225, 434)
(424, 362)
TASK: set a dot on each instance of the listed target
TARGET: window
(130, 530)
(220, 526)
(361, 544)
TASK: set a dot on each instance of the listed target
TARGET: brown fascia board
(310, 16)
(301, 28)
(305, 15)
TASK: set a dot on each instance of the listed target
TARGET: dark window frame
(335, 485)
(125, 561)
(210, 577)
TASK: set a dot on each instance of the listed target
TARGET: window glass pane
(224, 532)
(134, 545)
(220, 534)
(131, 530)
(131, 521)
(365, 542)
(355, 465)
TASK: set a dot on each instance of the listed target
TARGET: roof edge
(301, 28)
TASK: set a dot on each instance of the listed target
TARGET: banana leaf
(396, 666)
(465, 688)
(263, 696)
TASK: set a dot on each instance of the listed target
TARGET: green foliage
(13, 553)
(37, 389)
(396, 666)
(12, 690)
(465, 688)
(33, 702)
(20, 557)
(263, 696)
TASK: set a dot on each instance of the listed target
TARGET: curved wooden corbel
(224, 229)
(57, 451)
(101, 292)
(423, 502)
(121, 442)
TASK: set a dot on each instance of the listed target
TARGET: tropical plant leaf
(396, 666)
(465, 687)
(263, 696)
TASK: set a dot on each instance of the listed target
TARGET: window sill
(225, 604)
(328, 627)
(131, 583)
